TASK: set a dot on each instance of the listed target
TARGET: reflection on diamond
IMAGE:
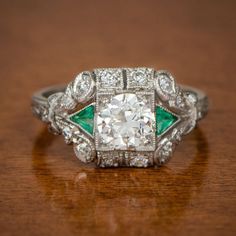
(126, 122)
(166, 84)
(139, 78)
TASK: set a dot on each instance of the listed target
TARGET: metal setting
(174, 125)
(75, 124)
(124, 123)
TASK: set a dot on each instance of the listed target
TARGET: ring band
(121, 116)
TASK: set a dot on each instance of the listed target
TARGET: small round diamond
(139, 76)
(82, 87)
(166, 84)
(67, 102)
(139, 161)
(83, 151)
(110, 78)
(54, 98)
(67, 133)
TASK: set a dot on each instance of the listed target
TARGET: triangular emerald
(164, 120)
(85, 119)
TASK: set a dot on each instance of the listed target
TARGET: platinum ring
(132, 117)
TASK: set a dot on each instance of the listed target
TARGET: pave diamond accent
(109, 78)
(139, 78)
(126, 122)
(107, 159)
(140, 159)
(85, 119)
(164, 120)
(124, 158)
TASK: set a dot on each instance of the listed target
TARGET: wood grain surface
(45, 190)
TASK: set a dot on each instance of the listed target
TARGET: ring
(132, 117)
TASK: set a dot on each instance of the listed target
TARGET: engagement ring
(114, 117)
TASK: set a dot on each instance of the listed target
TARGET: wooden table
(45, 190)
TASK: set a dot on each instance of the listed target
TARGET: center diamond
(126, 122)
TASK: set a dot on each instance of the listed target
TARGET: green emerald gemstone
(164, 120)
(85, 119)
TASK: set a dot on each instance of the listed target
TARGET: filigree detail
(122, 85)
(167, 145)
(54, 106)
(181, 103)
(60, 105)
(40, 112)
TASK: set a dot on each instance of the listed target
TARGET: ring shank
(40, 106)
(40, 100)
